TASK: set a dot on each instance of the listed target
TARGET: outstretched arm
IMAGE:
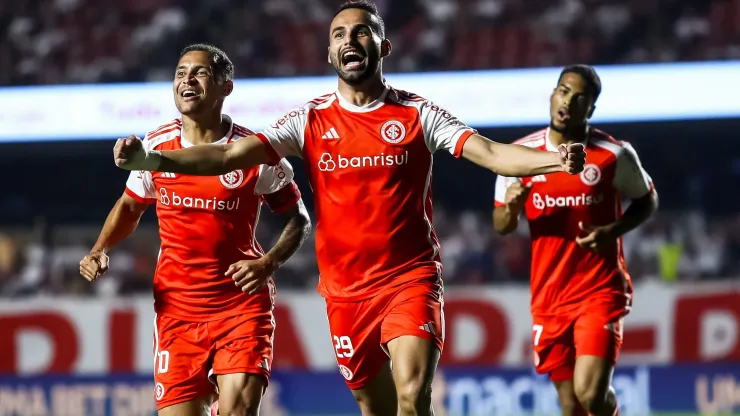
(518, 161)
(196, 160)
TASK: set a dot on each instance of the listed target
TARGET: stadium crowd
(670, 247)
(86, 41)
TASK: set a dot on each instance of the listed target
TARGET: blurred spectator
(666, 249)
(83, 41)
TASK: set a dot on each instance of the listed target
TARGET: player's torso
(563, 272)
(371, 177)
(208, 219)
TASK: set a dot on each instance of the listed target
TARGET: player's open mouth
(563, 115)
(353, 60)
(189, 95)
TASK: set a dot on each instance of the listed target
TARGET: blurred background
(77, 74)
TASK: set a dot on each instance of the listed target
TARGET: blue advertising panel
(702, 388)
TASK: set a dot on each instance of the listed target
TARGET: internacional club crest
(393, 131)
(232, 179)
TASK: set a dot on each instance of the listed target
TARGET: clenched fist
(93, 265)
(516, 195)
(572, 157)
(252, 275)
(129, 154)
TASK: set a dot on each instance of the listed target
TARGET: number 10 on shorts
(343, 347)
(163, 361)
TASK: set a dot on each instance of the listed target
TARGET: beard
(357, 76)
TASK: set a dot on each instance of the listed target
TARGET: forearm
(637, 213)
(505, 221)
(120, 223)
(519, 161)
(510, 159)
(294, 234)
(196, 160)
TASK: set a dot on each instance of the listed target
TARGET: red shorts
(593, 329)
(186, 354)
(360, 330)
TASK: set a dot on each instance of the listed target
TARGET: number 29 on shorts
(343, 346)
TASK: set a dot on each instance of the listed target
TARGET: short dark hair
(221, 65)
(588, 73)
(369, 7)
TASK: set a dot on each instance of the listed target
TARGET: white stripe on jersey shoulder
(321, 103)
(608, 144)
(240, 132)
(406, 98)
(536, 139)
(162, 134)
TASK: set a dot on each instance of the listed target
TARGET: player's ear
(385, 48)
(328, 54)
(228, 88)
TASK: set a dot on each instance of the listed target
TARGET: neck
(576, 135)
(364, 93)
(204, 129)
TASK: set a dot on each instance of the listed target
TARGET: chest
(227, 192)
(363, 146)
(588, 190)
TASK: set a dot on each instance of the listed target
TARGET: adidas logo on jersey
(331, 134)
(168, 175)
(539, 178)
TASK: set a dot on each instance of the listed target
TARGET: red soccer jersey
(371, 172)
(564, 274)
(206, 223)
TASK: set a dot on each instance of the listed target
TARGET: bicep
(132, 204)
(284, 200)
(247, 152)
(630, 177)
(296, 210)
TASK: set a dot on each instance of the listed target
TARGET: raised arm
(207, 160)
(442, 130)
(516, 161)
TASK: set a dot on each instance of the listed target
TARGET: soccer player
(368, 150)
(213, 288)
(581, 290)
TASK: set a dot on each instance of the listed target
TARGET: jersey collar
(379, 102)
(185, 143)
(550, 147)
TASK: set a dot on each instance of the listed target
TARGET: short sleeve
(140, 187)
(442, 130)
(284, 199)
(273, 178)
(284, 137)
(630, 178)
(502, 184)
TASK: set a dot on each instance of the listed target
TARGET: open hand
(572, 157)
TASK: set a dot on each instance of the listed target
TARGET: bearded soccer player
(368, 154)
(213, 288)
(581, 290)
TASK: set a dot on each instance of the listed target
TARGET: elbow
(503, 229)
(304, 221)
(503, 224)
(654, 201)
